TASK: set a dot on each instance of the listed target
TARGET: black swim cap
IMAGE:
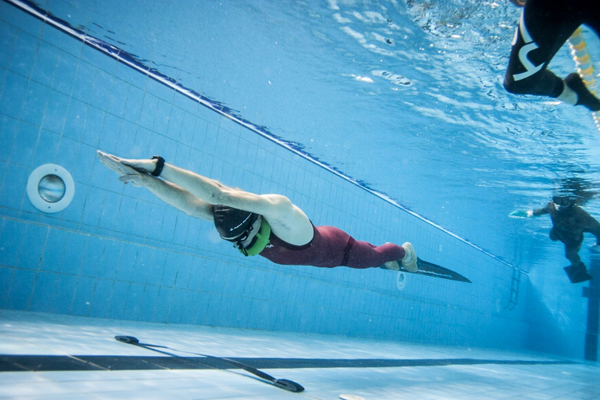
(232, 223)
(563, 201)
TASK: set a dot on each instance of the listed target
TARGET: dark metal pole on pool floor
(592, 292)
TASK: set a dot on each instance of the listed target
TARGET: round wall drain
(50, 188)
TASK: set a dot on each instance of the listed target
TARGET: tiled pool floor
(67, 366)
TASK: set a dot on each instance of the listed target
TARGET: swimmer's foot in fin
(584, 96)
(578, 273)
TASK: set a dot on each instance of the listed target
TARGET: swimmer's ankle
(568, 95)
(584, 96)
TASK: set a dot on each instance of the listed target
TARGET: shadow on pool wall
(117, 252)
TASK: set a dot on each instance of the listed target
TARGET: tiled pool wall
(117, 252)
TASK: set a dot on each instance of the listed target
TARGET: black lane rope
(284, 384)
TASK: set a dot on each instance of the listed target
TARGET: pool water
(387, 119)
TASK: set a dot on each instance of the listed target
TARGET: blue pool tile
(141, 146)
(133, 106)
(187, 130)
(148, 113)
(184, 271)
(47, 146)
(66, 156)
(43, 291)
(230, 125)
(101, 299)
(157, 144)
(199, 135)
(168, 224)
(82, 299)
(196, 272)
(183, 155)
(177, 306)
(35, 103)
(161, 119)
(92, 257)
(94, 122)
(110, 259)
(8, 130)
(54, 251)
(171, 269)
(160, 90)
(175, 123)
(22, 20)
(20, 289)
(11, 239)
(32, 247)
(45, 64)
(143, 263)
(118, 300)
(11, 193)
(201, 302)
(66, 43)
(169, 150)
(181, 228)
(214, 311)
(109, 135)
(98, 58)
(74, 251)
(63, 295)
(84, 82)
(141, 217)
(23, 56)
(234, 273)
(6, 276)
(66, 71)
(86, 157)
(188, 308)
(133, 305)
(8, 36)
(101, 90)
(126, 267)
(126, 140)
(24, 145)
(131, 76)
(154, 227)
(157, 267)
(93, 206)
(147, 303)
(74, 212)
(208, 277)
(13, 95)
(110, 209)
(118, 97)
(56, 111)
(126, 214)
(193, 233)
(75, 120)
(209, 115)
(163, 303)
(185, 103)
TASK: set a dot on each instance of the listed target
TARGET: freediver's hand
(128, 173)
(521, 214)
(144, 166)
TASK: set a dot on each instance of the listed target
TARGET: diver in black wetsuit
(545, 25)
(569, 222)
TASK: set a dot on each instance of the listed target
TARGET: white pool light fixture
(50, 188)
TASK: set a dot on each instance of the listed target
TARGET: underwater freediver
(569, 223)
(545, 25)
(268, 225)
